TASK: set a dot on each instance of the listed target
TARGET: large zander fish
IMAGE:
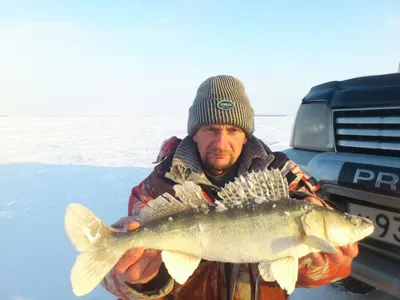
(255, 221)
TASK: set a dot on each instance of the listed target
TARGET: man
(220, 146)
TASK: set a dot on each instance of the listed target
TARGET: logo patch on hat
(226, 105)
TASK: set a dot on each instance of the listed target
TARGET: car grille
(370, 131)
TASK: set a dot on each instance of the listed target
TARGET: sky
(147, 58)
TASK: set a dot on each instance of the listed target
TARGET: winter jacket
(179, 161)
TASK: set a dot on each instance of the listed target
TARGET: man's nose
(220, 139)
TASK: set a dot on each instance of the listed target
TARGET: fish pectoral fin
(180, 266)
(318, 243)
(285, 271)
(315, 235)
(265, 270)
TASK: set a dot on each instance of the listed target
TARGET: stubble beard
(217, 169)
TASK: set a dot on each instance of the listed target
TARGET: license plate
(387, 223)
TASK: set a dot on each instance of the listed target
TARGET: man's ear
(194, 137)
(245, 140)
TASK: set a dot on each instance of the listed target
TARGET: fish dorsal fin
(190, 198)
(260, 186)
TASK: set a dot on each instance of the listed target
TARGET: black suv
(347, 135)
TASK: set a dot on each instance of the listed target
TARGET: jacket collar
(186, 161)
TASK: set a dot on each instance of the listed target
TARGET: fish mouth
(369, 227)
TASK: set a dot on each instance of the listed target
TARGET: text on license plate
(387, 223)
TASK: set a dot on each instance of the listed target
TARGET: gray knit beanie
(221, 100)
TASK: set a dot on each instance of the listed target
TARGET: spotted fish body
(261, 231)
(254, 222)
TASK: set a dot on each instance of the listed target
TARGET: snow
(47, 163)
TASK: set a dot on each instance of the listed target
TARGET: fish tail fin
(85, 230)
(93, 237)
(90, 268)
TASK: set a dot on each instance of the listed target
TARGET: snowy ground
(46, 163)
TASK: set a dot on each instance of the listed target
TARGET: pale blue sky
(123, 58)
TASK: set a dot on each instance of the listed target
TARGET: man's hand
(137, 266)
(341, 256)
(343, 253)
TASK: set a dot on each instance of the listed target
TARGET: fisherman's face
(219, 146)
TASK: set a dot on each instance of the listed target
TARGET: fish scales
(263, 230)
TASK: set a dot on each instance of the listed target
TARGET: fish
(253, 221)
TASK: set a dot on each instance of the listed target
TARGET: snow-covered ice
(47, 163)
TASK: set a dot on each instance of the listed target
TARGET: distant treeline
(270, 115)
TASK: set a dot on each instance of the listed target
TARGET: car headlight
(313, 129)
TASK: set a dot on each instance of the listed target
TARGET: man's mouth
(219, 155)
